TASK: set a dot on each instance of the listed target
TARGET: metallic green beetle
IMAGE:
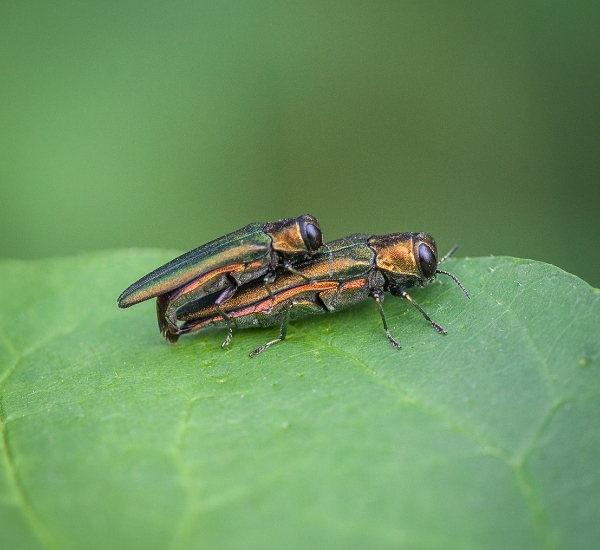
(221, 266)
(363, 266)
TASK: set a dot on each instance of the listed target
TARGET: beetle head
(293, 236)
(406, 259)
(409, 259)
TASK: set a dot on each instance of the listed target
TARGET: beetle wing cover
(248, 244)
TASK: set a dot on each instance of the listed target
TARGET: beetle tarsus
(230, 324)
(228, 338)
(262, 348)
(406, 296)
(378, 297)
(392, 340)
(282, 333)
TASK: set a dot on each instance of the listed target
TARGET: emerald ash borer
(219, 268)
(353, 269)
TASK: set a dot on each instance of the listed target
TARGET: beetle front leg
(401, 293)
(288, 266)
(377, 295)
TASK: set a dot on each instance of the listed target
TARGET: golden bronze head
(295, 235)
(406, 258)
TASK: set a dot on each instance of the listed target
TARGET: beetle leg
(171, 337)
(167, 325)
(162, 304)
(225, 295)
(269, 278)
(287, 265)
(377, 295)
(227, 338)
(168, 328)
(401, 293)
(166, 314)
(282, 332)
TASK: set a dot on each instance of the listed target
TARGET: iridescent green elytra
(353, 269)
(224, 264)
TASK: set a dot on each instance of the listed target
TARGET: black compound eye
(427, 261)
(313, 238)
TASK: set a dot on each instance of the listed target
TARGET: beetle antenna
(448, 254)
(455, 280)
(330, 260)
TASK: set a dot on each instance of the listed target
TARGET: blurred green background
(166, 124)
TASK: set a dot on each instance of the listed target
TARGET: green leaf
(488, 437)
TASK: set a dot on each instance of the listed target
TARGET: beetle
(363, 266)
(221, 266)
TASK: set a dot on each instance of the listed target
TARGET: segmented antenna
(454, 279)
(448, 254)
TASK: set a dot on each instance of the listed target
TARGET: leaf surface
(488, 437)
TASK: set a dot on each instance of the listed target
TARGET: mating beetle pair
(269, 274)
(221, 266)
